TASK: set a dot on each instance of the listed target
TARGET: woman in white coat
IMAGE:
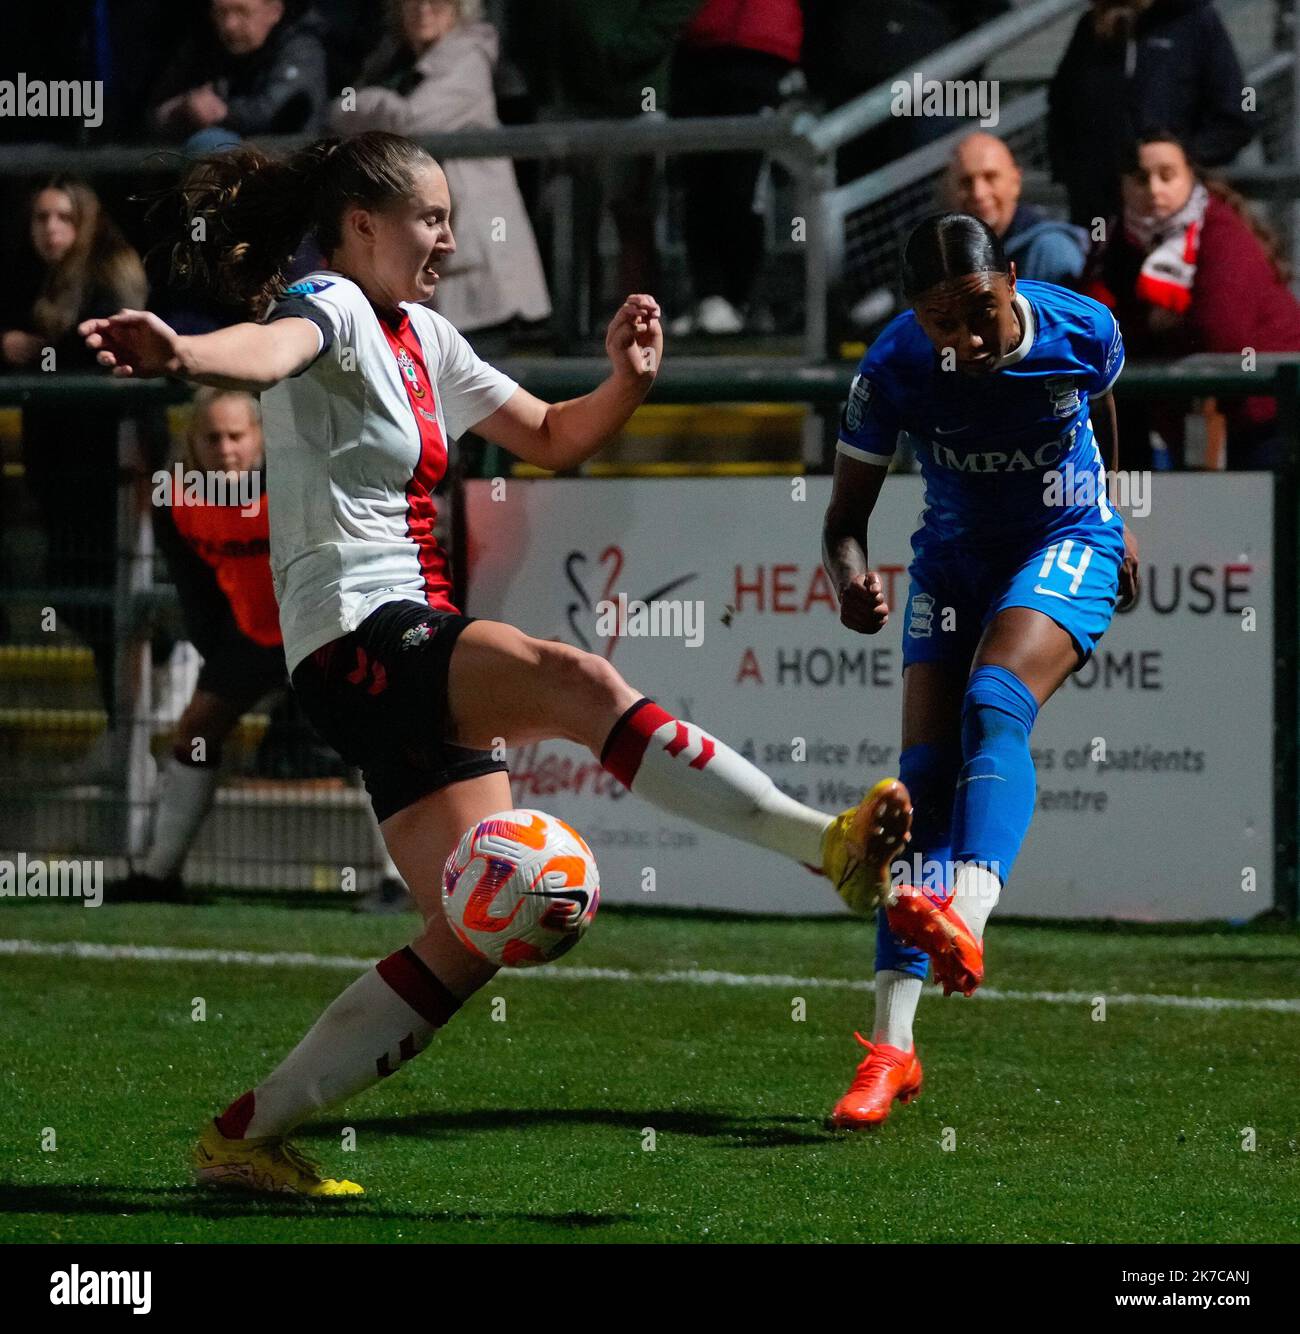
(431, 73)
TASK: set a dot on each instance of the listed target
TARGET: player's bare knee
(587, 687)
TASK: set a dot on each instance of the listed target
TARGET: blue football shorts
(1073, 578)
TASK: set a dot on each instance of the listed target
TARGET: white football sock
(680, 768)
(187, 793)
(386, 1017)
(897, 996)
(975, 895)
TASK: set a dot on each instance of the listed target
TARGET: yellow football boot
(860, 844)
(269, 1164)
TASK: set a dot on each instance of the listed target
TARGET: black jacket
(281, 88)
(1179, 72)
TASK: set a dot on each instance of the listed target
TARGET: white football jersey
(355, 445)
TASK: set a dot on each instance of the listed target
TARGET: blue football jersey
(1009, 455)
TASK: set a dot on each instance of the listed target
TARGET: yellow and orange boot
(860, 844)
(885, 1076)
(956, 957)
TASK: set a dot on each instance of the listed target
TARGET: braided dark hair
(947, 246)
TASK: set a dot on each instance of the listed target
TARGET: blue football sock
(929, 772)
(996, 790)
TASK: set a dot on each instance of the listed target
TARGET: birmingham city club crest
(856, 409)
(1064, 394)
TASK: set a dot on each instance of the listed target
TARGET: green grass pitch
(536, 1127)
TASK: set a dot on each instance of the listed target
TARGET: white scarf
(1172, 245)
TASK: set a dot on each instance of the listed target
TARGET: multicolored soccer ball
(521, 888)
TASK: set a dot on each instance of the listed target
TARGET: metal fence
(867, 219)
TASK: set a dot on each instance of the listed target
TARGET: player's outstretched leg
(505, 685)
(991, 814)
(891, 1070)
(387, 1017)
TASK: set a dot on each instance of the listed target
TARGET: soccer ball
(521, 888)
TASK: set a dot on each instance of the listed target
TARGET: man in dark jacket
(262, 73)
(1135, 65)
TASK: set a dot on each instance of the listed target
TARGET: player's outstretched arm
(560, 436)
(137, 344)
(844, 544)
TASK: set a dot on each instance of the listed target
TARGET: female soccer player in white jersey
(1018, 566)
(362, 389)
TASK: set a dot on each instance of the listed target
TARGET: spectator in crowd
(849, 48)
(217, 546)
(84, 269)
(433, 73)
(734, 59)
(598, 59)
(263, 74)
(1189, 268)
(984, 178)
(1132, 66)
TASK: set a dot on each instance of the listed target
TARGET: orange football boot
(937, 928)
(886, 1074)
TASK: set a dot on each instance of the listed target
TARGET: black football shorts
(379, 696)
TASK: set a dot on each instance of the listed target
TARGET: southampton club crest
(855, 410)
(1064, 393)
(409, 373)
(416, 635)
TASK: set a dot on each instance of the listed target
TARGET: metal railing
(852, 231)
(866, 220)
(805, 145)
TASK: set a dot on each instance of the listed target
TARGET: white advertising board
(1177, 824)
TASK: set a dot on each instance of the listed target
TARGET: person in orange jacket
(218, 554)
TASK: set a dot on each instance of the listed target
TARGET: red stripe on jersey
(431, 467)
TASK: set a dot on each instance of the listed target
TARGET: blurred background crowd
(199, 75)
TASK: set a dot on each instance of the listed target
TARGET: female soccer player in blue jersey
(363, 387)
(1019, 564)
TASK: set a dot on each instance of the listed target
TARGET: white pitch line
(81, 949)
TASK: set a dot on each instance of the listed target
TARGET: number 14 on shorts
(1063, 567)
